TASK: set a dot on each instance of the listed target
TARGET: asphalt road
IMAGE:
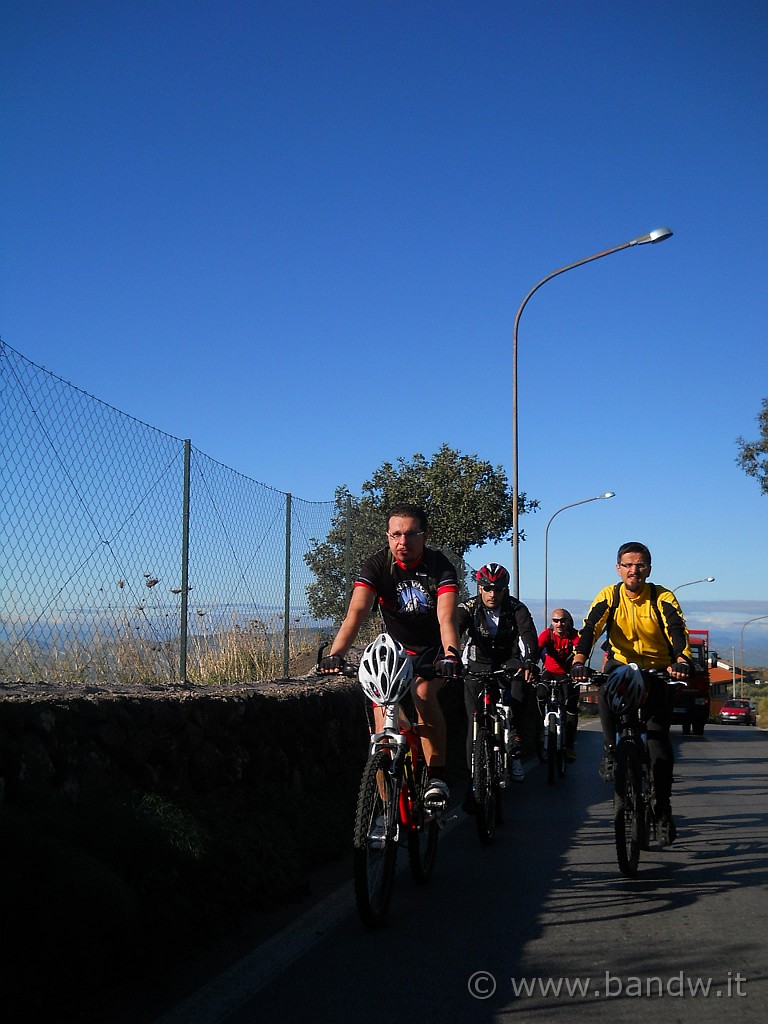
(541, 924)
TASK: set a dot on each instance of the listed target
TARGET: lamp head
(657, 235)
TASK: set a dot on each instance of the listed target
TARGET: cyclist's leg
(472, 687)
(658, 714)
(518, 694)
(432, 730)
(571, 698)
(608, 725)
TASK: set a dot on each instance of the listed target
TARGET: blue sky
(298, 234)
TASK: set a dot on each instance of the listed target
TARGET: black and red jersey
(408, 595)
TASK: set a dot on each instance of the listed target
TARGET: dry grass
(129, 653)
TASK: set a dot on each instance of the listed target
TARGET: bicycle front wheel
(628, 808)
(483, 782)
(423, 835)
(375, 840)
(551, 750)
(561, 745)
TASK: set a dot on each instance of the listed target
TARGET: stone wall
(139, 826)
(56, 740)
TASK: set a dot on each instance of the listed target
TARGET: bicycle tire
(423, 836)
(561, 762)
(485, 790)
(551, 752)
(374, 862)
(628, 808)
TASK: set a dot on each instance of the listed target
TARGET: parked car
(738, 711)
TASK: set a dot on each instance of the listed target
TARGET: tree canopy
(467, 501)
(753, 455)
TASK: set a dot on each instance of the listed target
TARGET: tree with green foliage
(466, 499)
(753, 455)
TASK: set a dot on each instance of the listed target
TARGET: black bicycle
(392, 806)
(550, 740)
(634, 799)
(491, 749)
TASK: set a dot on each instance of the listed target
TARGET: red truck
(691, 708)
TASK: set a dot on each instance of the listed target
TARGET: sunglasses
(559, 620)
(490, 588)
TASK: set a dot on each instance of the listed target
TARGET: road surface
(541, 924)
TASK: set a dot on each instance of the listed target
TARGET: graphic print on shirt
(413, 598)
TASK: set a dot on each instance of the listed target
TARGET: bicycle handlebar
(595, 678)
(349, 669)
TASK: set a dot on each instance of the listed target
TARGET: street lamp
(741, 667)
(707, 579)
(657, 235)
(597, 497)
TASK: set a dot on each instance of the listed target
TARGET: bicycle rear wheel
(483, 782)
(628, 809)
(375, 839)
(423, 836)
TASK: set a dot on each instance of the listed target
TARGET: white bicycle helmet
(386, 671)
(625, 689)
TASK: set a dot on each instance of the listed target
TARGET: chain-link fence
(130, 555)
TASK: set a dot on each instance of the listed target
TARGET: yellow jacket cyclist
(651, 633)
(644, 624)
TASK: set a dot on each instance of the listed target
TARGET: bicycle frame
(399, 737)
(391, 809)
(634, 800)
(491, 740)
(553, 722)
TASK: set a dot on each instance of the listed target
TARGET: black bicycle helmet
(492, 575)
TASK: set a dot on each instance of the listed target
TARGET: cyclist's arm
(594, 624)
(463, 619)
(527, 632)
(447, 609)
(359, 609)
(675, 625)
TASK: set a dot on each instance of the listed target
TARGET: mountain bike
(634, 798)
(491, 749)
(550, 741)
(391, 806)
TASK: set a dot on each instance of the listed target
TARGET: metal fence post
(184, 566)
(287, 610)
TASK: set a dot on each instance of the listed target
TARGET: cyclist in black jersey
(417, 592)
(501, 634)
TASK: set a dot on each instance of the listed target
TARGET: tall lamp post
(706, 579)
(657, 235)
(741, 666)
(597, 497)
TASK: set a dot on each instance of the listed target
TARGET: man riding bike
(644, 625)
(417, 591)
(501, 634)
